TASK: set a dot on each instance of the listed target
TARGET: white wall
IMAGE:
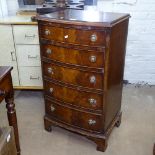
(140, 57)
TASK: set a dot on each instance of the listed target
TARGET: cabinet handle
(2, 92)
(30, 36)
(47, 32)
(32, 57)
(13, 57)
(92, 101)
(51, 90)
(93, 79)
(52, 108)
(92, 58)
(50, 70)
(93, 37)
(48, 51)
(91, 122)
(34, 78)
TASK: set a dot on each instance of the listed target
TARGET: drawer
(28, 55)
(73, 56)
(83, 120)
(30, 76)
(74, 36)
(74, 96)
(73, 76)
(26, 34)
(5, 86)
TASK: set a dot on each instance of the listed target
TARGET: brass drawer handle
(52, 108)
(32, 57)
(92, 101)
(91, 122)
(93, 37)
(48, 51)
(51, 90)
(30, 36)
(2, 92)
(47, 32)
(93, 79)
(92, 58)
(34, 78)
(50, 70)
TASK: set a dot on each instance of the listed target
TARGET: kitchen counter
(17, 20)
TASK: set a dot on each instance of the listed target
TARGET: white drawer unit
(19, 47)
(28, 55)
(26, 34)
(30, 76)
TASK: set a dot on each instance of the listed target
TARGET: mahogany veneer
(83, 64)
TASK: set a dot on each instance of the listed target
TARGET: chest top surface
(84, 17)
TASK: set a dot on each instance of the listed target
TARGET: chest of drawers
(82, 65)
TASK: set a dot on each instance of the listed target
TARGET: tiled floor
(135, 136)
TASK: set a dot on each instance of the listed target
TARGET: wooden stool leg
(11, 112)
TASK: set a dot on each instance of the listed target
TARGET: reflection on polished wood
(7, 93)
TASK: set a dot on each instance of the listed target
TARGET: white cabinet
(8, 52)
(19, 47)
(28, 55)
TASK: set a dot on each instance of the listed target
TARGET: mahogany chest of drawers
(83, 54)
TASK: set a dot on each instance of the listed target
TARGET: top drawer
(74, 36)
(26, 34)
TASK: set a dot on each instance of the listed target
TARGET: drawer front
(74, 36)
(26, 34)
(30, 76)
(73, 96)
(28, 55)
(73, 117)
(72, 56)
(73, 76)
(5, 86)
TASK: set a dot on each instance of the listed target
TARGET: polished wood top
(85, 17)
(4, 71)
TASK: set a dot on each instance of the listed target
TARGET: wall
(140, 57)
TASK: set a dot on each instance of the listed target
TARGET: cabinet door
(7, 51)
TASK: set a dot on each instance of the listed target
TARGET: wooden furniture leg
(11, 113)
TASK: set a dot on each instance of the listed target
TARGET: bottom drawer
(30, 76)
(71, 116)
